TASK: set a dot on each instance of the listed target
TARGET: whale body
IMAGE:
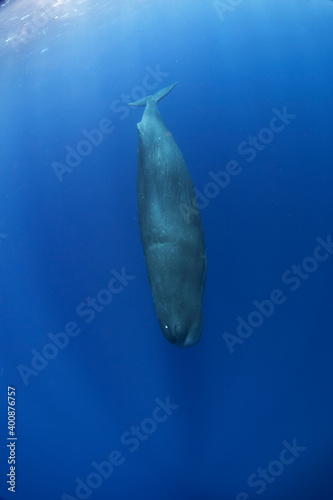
(171, 228)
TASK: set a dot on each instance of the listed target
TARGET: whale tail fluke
(154, 97)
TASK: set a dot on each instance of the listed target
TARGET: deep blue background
(64, 238)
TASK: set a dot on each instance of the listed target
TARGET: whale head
(183, 331)
(177, 275)
(179, 313)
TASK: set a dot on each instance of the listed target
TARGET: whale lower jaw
(191, 339)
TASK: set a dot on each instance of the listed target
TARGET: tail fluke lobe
(154, 97)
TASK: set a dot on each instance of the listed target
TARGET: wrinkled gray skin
(171, 228)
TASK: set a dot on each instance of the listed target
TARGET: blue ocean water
(104, 406)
